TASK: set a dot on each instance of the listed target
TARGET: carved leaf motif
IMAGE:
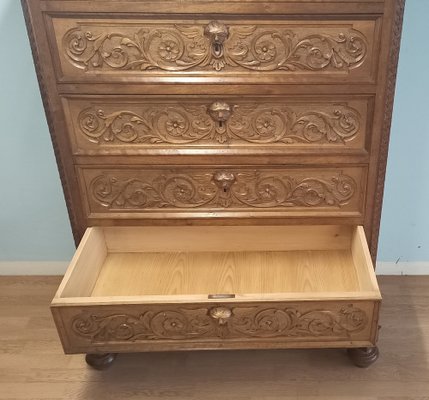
(190, 123)
(253, 189)
(255, 321)
(165, 124)
(175, 47)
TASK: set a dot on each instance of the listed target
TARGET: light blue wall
(33, 218)
(405, 219)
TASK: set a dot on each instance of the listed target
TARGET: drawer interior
(202, 263)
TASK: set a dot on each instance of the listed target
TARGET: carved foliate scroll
(223, 189)
(215, 46)
(220, 122)
(268, 321)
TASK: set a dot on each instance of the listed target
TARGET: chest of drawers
(223, 166)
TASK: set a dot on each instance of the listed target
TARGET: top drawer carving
(140, 50)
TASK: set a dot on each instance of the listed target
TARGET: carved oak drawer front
(272, 50)
(163, 288)
(153, 327)
(129, 125)
(160, 192)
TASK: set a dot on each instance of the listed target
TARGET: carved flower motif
(175, 127)
(267, 192)
(265, 126)
(182, 193)
(173, 325)
(265, 51)
(168, 50)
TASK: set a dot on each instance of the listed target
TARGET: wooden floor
(32, 365)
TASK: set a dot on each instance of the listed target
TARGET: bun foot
(363, 357)
(100, 361)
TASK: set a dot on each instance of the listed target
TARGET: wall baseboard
(59, 267)
(402, 268)
(33, 267)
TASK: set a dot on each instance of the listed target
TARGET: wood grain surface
(133, 274)
(32, 365)
(245, 261)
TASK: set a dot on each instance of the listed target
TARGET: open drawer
(210, 287)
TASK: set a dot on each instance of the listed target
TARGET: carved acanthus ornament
(220, 122)
(222, 189)
(173, 47)
(220, 322)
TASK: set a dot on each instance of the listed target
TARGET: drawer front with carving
(133, 124)
(154, 327)
(246, 191)
(159, 288)
(272, 50)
